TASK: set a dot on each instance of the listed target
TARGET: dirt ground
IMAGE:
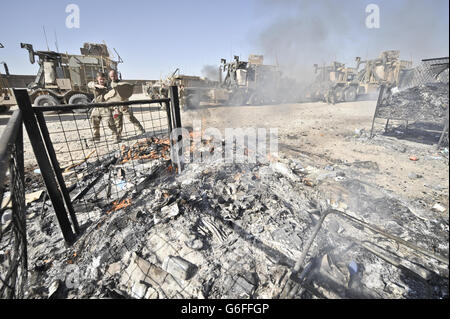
(338, 135)
(325, 135)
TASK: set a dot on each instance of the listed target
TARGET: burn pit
(234, 230)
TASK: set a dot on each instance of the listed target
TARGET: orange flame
(141, 147)
(117, 206)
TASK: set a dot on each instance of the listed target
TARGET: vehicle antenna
(45, 35)
(56, 42)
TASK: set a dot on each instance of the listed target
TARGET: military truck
(192, 90)
(7, 98)
(244, 83)
(63, 78)
(326, 77)
(338, 83)
(195, 89)
(250, 82)
(344, 87)
(387, 69)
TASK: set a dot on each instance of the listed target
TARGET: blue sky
(155, 37)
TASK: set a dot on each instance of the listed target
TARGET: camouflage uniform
(121, 111)
(101, 114)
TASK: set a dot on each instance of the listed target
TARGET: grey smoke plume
(304, 33)
(211, 72)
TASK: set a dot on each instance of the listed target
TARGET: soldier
(101, 114)
(120, 111)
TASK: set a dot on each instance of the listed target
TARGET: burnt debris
(426, 102)
(236, 231)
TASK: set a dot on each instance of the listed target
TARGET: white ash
(235, 230)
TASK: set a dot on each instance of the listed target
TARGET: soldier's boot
(119, 130)
(137, 124)
(141, 129)
(118, 124)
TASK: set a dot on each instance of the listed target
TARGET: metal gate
(85, 167)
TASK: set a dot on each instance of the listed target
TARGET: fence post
(380, 97)
(175, 106)
(57, 169)
(47, 172)
(444, 130)
(175, 119)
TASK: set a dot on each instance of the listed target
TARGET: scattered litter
(414, 176)
(353, 267)
(439, 208)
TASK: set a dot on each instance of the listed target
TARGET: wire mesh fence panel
(428, 71)
(106, 152)
(421, 100)
(13, 239)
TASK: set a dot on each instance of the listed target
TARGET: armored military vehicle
(244, 83)
(7, 98)
(250, 82)
(326, 77)
(62, 78)
(338, 83)
(344, 87)
(387, 69)
(192, 90)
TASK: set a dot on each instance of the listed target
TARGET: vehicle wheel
(4, 109)
(332, 97)
(339, 95)
(237, 99)
(253, 100)
(327, 98)
(79, 99)
(45, 100)
(192, 101)
(350, 95)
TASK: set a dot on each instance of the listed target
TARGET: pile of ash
(234, 230)
(426, 102)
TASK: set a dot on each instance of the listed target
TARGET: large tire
(45, 100)
(332, 98)
(254, 99)
(339, 95)
(350, 95)
(79, 99)
(237, 99)
(4, 108)
(192, 101)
